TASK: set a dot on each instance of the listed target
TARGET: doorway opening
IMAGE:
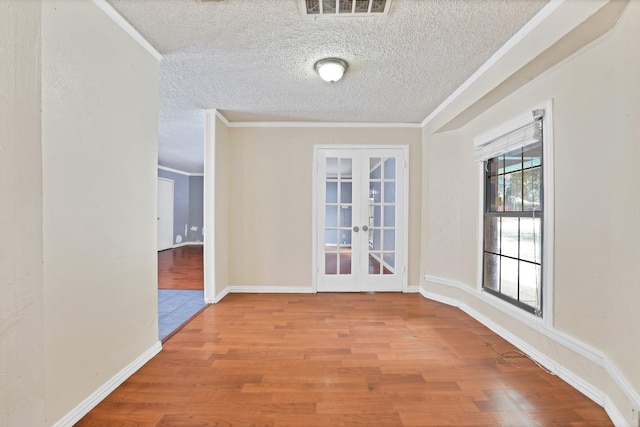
(180, 259)
(180, 288)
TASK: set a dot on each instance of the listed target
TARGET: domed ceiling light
(331, 69)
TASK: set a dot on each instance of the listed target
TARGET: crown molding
(164, 168)
(127, 27)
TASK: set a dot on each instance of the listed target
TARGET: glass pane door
(382, 216)
(359, 226)
(338, 215)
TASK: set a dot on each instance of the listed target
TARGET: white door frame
(170, 181)
(314, 210)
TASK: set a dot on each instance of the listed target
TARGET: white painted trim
(548, 242)
(179, 245)
(164, 168)
(221, 117)
(209, 206)
(173, 207)
(543, 14)
(97, 396)
(405, 227)
(313, 124)
(218, 297)
(241, 289)
(321, 125)
(594, 355)
(127, 27)
(412, 289)
(315, 262)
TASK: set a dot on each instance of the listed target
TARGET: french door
(361, 215)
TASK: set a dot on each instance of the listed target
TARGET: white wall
(99, 124)
(596, 96)
(21, 293)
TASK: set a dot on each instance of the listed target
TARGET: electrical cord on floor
(505, 355)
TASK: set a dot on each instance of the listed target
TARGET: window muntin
(513, 213)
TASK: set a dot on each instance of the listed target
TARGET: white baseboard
(239, 289)
(412, 289)
(593, 355)
(97, 396)
(179, 245)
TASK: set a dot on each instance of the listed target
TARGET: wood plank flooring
(181, 268)
(381, 359)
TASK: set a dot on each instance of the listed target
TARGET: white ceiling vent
(344, 8)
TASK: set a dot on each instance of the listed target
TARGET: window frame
(517, 214)
(545, 316)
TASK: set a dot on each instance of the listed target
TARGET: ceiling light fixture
(331, 69)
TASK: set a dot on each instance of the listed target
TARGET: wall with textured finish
(99, 125)
(270, 199)
(596, 96)
(21, 283)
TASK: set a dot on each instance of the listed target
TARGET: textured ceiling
(253, 61)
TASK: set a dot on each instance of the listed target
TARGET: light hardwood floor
(181, 268)
(340, 359)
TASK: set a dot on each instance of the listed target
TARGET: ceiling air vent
(344, 8)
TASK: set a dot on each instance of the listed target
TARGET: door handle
(356, 229)
(365, 228)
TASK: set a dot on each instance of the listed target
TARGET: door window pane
(331, 238)
(390, 261)
(330, 263)
(345, 192)
(331, 216)
(375, 244)
(376, 216)
(375, 164)
(345, 216)
(346, 169)
(345, 239)
(332, 168)
(389, 192)
(390, 168)
(345, 263)
(375, 192)
(389, 216)
(389, 240)
(332, 192)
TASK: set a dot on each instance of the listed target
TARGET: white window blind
(525, 135)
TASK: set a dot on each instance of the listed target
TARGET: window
(513, 216)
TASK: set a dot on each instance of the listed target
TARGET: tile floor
(176, 307)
